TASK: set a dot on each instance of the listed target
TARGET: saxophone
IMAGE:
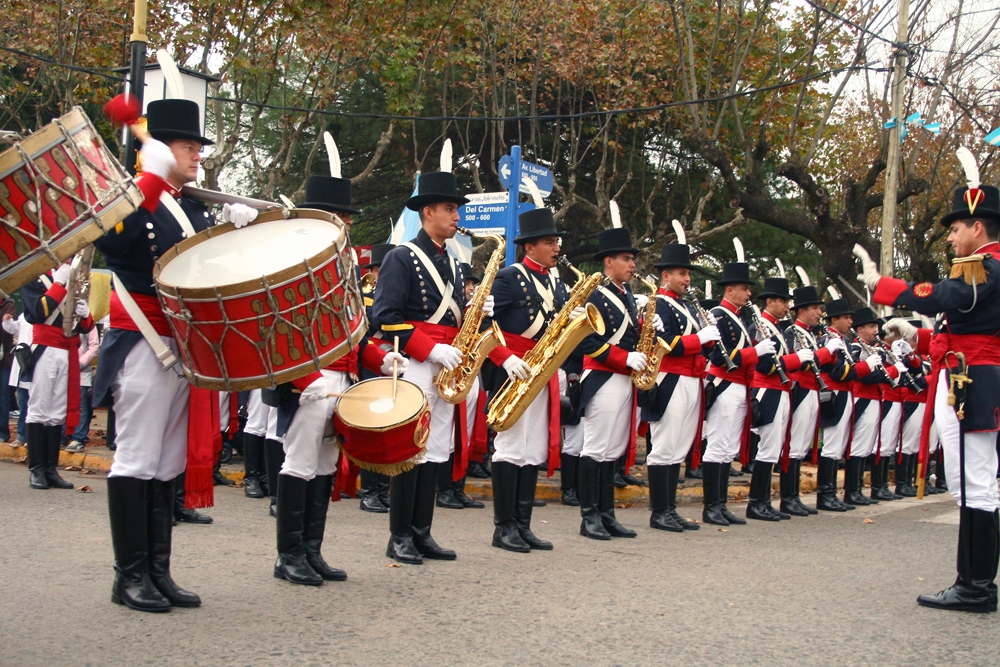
(559, 340)
(649, 344)
(454, 385)
(77, 287)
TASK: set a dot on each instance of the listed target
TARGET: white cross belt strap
(178, 213)
(160, 349)
(447, 290)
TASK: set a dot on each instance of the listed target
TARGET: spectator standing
(90, 343)
(7, 313)
(22, 330)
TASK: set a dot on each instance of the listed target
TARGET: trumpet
(706, 320)
(368, 283)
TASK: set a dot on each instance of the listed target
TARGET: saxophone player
(527, 296)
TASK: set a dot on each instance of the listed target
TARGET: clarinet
(803, 342)
(706, 320)
(893, 359)
(758, 322)
(869, 350)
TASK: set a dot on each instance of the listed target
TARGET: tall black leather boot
(853, 475)
(292, 564)
(606, 502)
(161, 526)
(881, 491)
(929, 488)
(527, 480)
(589, 493)
(37, 456)
(458, 490)
(659, 505)
(445, 488)
(318, 492)
(370, 499)
(760, 494)
(182, 513)
(402, 495)
(622, 476)
(127, 510)
(868, 463)
(423, 513)
(274, 458)
(712, 511)
(505, 533)
(53, 438)
(796, 465)
(253, 459)
(723, 496)
(978, 550)
(382, 483)
(568, 465)
(906, 472)
(941, 481)
(673, 478)
(788, 490)
(826, 489)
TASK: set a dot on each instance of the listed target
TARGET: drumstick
(395, 366)
(126, 109)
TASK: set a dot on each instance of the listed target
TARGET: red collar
(440, 248)
(802, 325)
(669, 292)
(992, 247)
(730, 306)
(534, 266)
(171, 190)
(769, 317)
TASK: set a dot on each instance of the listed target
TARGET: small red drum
(263, 305)
(60, 190)
(380, 433)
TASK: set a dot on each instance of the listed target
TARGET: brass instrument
(706, 320)
(454, 385)
(870, 350)
(559, 340)
(77, 287)
(758, 321)
(368, 283)
(800, 338)
(649, 344)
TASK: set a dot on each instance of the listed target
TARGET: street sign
(489, 212)
(529, 170)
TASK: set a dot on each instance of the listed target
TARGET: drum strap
(178, 213)
(160, 349)
(447, 289)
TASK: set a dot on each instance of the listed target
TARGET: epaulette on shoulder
(970, 269)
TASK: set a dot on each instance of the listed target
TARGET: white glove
(657, 323)
(636, 361)
(901, 367)
(902, 328)
(869, 271)
(577, 312)
(317, 391)
(61, 274)
(835, 344)
(901, 348)
(874, 361)
(488, 306)
(386, 368)
(516, 368)
(82, 309)
(238, 214)
(157, 158)
(805, 356)
(446, 355)
(709, 334)
(765, 347)
(712, 319)
(640, 301)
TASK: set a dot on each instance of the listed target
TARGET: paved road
(829, 590)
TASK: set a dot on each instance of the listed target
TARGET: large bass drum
(262, 305)
(380, 433)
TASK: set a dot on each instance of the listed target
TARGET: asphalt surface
(828, 590)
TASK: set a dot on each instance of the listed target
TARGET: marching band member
(914, 404)
(970, 304)
(254, 479)
(158, 435)
(527, 296)
(607, 399)
(424, 309)
(675, 416)
(54, 402)
(891, 434)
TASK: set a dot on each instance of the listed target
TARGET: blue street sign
(489, 212)
(529, 170)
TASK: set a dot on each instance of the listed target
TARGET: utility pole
(137, 74)
(892, 176)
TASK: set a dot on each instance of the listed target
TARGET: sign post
(513, 191)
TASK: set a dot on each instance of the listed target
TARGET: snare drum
(60, 190)
(262, 305)
(381, 434)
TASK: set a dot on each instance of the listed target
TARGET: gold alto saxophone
(649, 344)
(559, 340)
(454, 385)
(77, 287)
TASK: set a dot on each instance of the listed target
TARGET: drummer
(158, 436)
(305, 416)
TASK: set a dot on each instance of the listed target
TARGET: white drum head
(250, 253)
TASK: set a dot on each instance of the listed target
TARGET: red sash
(520, 346)
(688, 365)
(50, 336)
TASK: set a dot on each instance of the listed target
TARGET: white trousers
(526, 443)
(911, 430)
(441, 440)
(980, 455)
(256, 415)
(866, 430)
(772, 436)
(892, 422)
(573, 439)
(151, 416)
(310, 446)
(724, 424)
(47, 400)
(837, 437)
(608, 419)
(804, 426)
(272, 425)
(471, 406)
(671, 437)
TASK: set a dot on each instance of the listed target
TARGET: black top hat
(735, 273)
(379, 251)
(775, 288)
(434, 187)
(674, 256)
(537, 223)
(805, 296)
(469, 275)
(864, 316)
(613, 241)
(708, 304)
(837, 307)
(175, 119)
(329, 193)
(982, 202)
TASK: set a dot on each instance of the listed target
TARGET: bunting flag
(993, 138)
